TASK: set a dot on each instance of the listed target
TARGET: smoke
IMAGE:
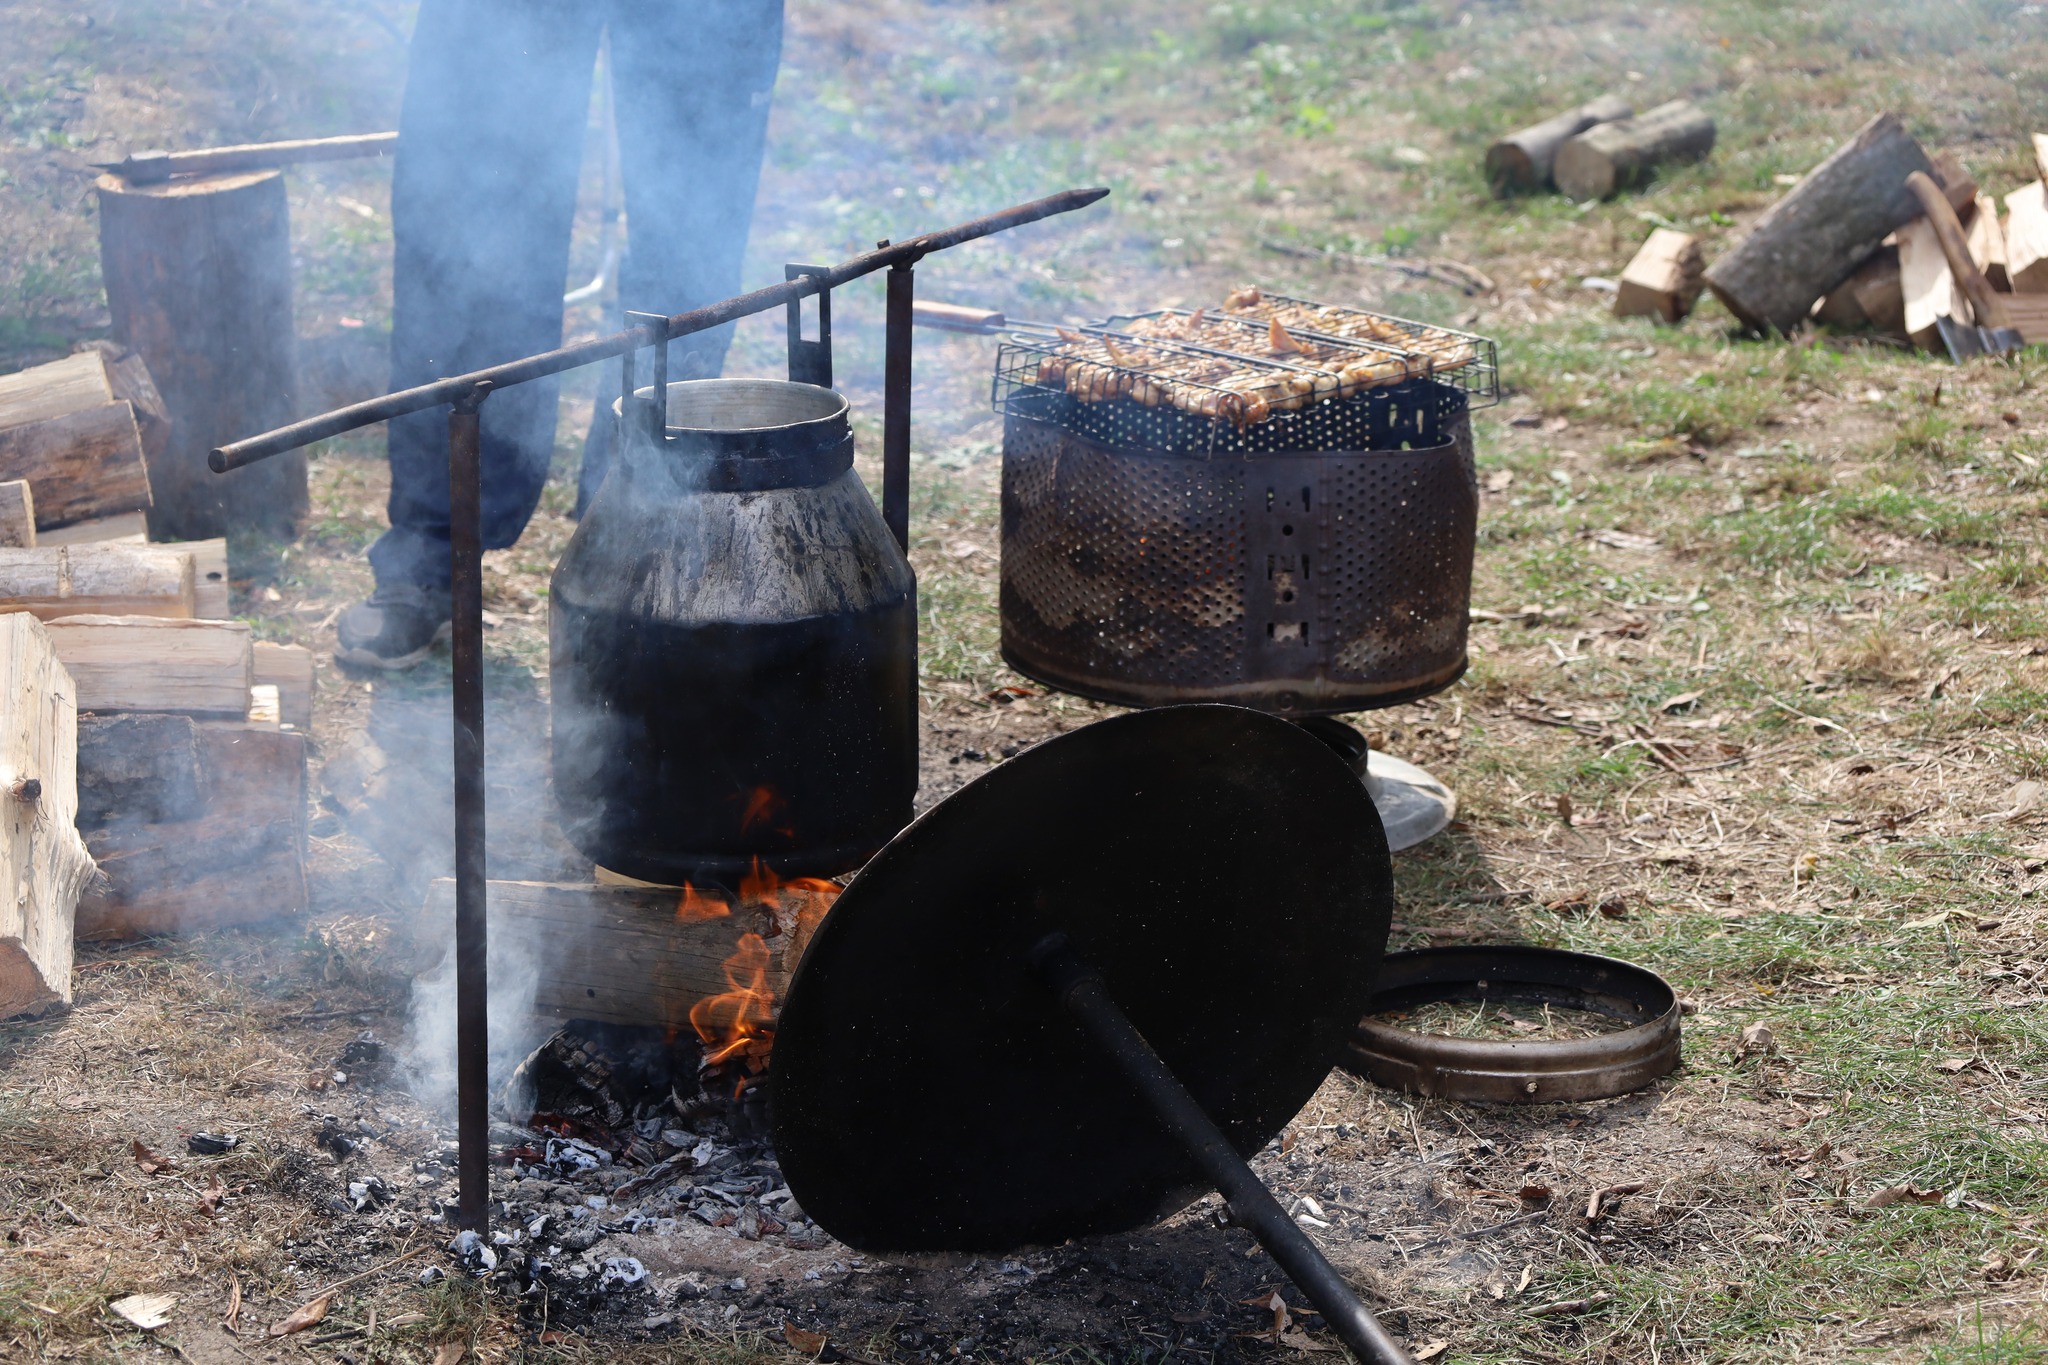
(428, 1055)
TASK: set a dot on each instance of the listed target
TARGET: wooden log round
(1809, 241)
(1614, 156)
(1520, 162)
(198, 278)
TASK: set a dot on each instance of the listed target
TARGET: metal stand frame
(463, 396)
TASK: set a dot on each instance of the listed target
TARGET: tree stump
(1613, 156)
(199, 283)
(1809, 241)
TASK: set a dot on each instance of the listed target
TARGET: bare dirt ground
(1757, 676)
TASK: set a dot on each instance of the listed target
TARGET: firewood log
(17, 514)
(1614, 156)
(1878, 294)
(2026, 239)
(64, 428)
(1812, 239)
(141, 768)
(46, 862)
(143, 663)
(1521, 161)
(102, 580)
(289, 668)
(241, 861)
(1928, 286)
(610, 954)
(1664, 278)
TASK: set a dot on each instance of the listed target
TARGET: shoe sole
(363, 658)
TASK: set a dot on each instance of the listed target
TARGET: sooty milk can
(734, 639)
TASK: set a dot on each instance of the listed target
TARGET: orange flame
(730, 1020)
(697, 906)
(738, 1023)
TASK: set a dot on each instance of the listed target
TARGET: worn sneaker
(394, 629)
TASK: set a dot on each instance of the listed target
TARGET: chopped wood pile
(1598, 149)
(147, 732)
(1852, 246)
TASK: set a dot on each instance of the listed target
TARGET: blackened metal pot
(734, 641)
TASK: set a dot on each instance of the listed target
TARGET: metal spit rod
(464, 395)
(442, 391)
(1079, 987)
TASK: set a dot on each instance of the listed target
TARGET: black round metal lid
(1226, 873)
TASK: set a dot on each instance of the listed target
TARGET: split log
(46, 862)
(129, 528)
(2026, 239)
(146, 663)
(288, 668)
(1613, 156)
(209, 576)
(2028, 315)
(17, 514)
(77, 383)
(2040, 141)
(1521, 161)
(1664, 278)
(142, 768)
(1986, 241)
(1928, 286)
(198, 278)
(621, 955)
(1878, 291)
(243, 860)
(97, 580)
(1809, 241)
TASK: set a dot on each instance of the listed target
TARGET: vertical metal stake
(896, 408)
(472, 1015)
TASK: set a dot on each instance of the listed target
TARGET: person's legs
(482, 200)
(693, 84)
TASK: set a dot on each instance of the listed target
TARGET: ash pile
(611, 1138)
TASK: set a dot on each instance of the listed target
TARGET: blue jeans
(483, 196)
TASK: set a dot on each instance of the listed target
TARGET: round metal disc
(1413, 806)
(1225, 872)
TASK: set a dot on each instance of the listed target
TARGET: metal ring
(1528, 1071)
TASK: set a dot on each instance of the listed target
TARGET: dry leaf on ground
(810, 1343)
(210, 1197)
(150, 1160)
(1430, 1350)
(147, 1311)
(1300, 1341)
(304, 1316)
(1900, 1194)
(450, 1353)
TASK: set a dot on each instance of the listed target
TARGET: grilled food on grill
(1446, 350)
(1246, 362)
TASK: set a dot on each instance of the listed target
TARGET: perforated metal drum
(1312, 566)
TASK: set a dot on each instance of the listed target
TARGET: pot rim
(835, 410)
